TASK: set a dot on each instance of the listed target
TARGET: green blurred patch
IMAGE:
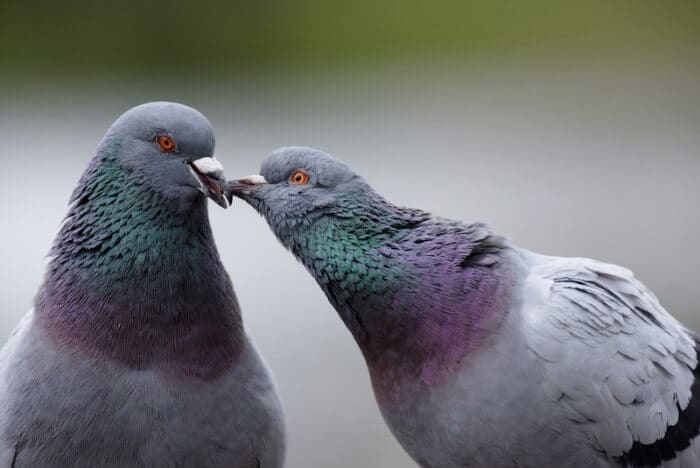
(219, 36)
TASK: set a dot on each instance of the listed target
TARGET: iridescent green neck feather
(417, 292)
(137, 278)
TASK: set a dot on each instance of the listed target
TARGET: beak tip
(229, 192)
(244, 186)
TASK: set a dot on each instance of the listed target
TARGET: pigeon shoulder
(11, 360)
(7, 449)
(15, 338)
(617, 365)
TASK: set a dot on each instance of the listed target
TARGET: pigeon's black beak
(244, 186)
(210, 174)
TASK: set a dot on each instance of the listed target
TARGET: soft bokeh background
(573, 127)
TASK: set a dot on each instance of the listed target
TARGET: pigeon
(134, 354)
(480, 353)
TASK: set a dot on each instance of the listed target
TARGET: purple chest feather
(446, 289)
(182, 334)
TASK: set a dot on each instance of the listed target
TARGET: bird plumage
(481, 353)
(134, 354)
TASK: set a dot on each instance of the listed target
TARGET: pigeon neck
(417, 295)
(137, 283)
(342, 252)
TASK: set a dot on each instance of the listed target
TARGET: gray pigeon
(482, 354)
(134, 354)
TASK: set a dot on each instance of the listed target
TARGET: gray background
(568, 158)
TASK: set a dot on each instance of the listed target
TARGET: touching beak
(243, 186)
(212, 183)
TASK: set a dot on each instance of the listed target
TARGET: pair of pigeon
(480, 353)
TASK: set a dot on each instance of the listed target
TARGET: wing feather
(618, 365)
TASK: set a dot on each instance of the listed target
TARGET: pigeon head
(297, 186)
(168, 148)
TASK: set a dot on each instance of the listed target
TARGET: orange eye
(299, 177)
(166, 143)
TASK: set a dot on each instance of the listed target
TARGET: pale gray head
(169, 147)
(298, 185)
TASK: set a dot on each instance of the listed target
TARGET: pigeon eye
(166, 143)
(299, 177)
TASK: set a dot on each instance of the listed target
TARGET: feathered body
(135, 353)
(481, 353)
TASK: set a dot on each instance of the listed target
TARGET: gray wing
(8, 452)
(619, 366)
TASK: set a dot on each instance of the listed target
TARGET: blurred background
(572, 127)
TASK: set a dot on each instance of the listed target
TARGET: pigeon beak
(210, 174)
(244, 186)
